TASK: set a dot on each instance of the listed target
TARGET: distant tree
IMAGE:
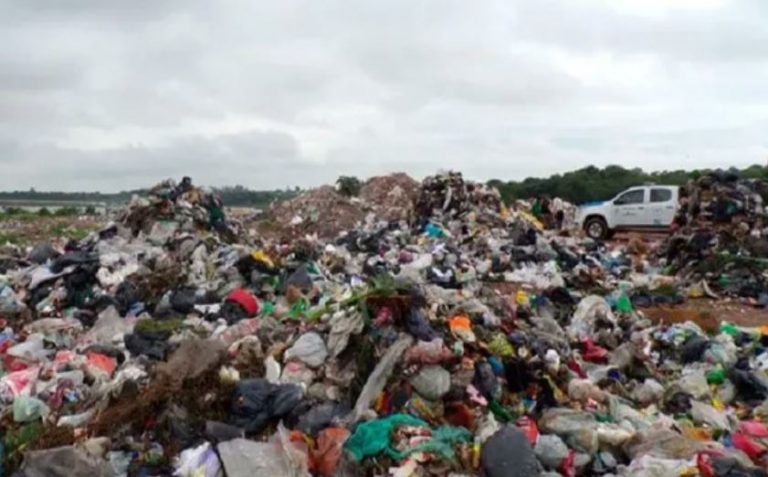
(14, 210)
(66, 212)
(90, 210)
(592, 183)
(348, 186)
(44, 212)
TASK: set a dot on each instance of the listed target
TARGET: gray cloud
(108, 94)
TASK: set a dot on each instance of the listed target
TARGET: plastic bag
(432, 382)
(320, 417)
(372, 438)
(108, 327)
(584, 389)
(578, 428)
(64, 462)
(378, 378)
(18, 383)
(418, 325)
(27, 409)
(706, 414)
(428, 352)
(246, 458)
(343, 325)
(662, 444)
(32, 349)
(310, 349)
(551, 450)
(441, 443)
(256, 402)
(587, 312)
(326, 457)
(508, 454)
(649, 392)
(200, 461)
(649, 466)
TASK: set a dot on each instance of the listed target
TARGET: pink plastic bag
(19, 383)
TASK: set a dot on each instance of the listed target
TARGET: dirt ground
(709, 314)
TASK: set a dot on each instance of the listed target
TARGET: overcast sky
(116, 94)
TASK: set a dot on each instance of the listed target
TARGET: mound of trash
(721, 244)
(322, 211)
(390, 197)
(448, 196)
(465, 342)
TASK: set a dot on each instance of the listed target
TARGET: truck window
(631, 197)
(661, 195)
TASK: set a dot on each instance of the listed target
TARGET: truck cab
(651, 207)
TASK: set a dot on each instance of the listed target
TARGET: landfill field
(417, 328)
(29, 229)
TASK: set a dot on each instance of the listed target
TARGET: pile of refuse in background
(721, 238)
(415, 330)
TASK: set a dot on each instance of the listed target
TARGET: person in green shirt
(536, 209)
(216, 217)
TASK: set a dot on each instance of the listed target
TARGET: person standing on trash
(546, 211)
(184, 186)
(536, 207)
(217, 219)
(558, 212)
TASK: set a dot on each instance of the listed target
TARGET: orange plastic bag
(329, 447)
(101, 362)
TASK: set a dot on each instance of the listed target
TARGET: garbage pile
(721, 245)
(448, 196)
(321, 211)
(171, 208)
(326, 212)
(469, 343)
(390, 197)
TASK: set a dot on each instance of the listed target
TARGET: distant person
(217, 219)
(546, 212)
(184, 186)
(536, 208)
(558, 209)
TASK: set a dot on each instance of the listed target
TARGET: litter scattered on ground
(420, 329)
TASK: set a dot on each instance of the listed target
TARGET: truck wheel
(596, 228)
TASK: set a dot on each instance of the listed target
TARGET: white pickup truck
(650, 207)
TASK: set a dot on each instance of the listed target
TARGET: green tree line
(593, 183)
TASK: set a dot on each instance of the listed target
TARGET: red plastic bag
(329, 447)
(568, 465)
(574, 366)
(528, 426)
(459, 415)
(743, 443)
(593, 353)
(704, 466)
(102, 363)
(754, 429)
(246, 301)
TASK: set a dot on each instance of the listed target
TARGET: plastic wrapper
(310, 349)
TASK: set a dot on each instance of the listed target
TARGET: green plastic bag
(444, 438)
(27, 409)
(500, 346)
(624, 304)
(372, 438)
(729, 329)
(716, 376)
(500, 412)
